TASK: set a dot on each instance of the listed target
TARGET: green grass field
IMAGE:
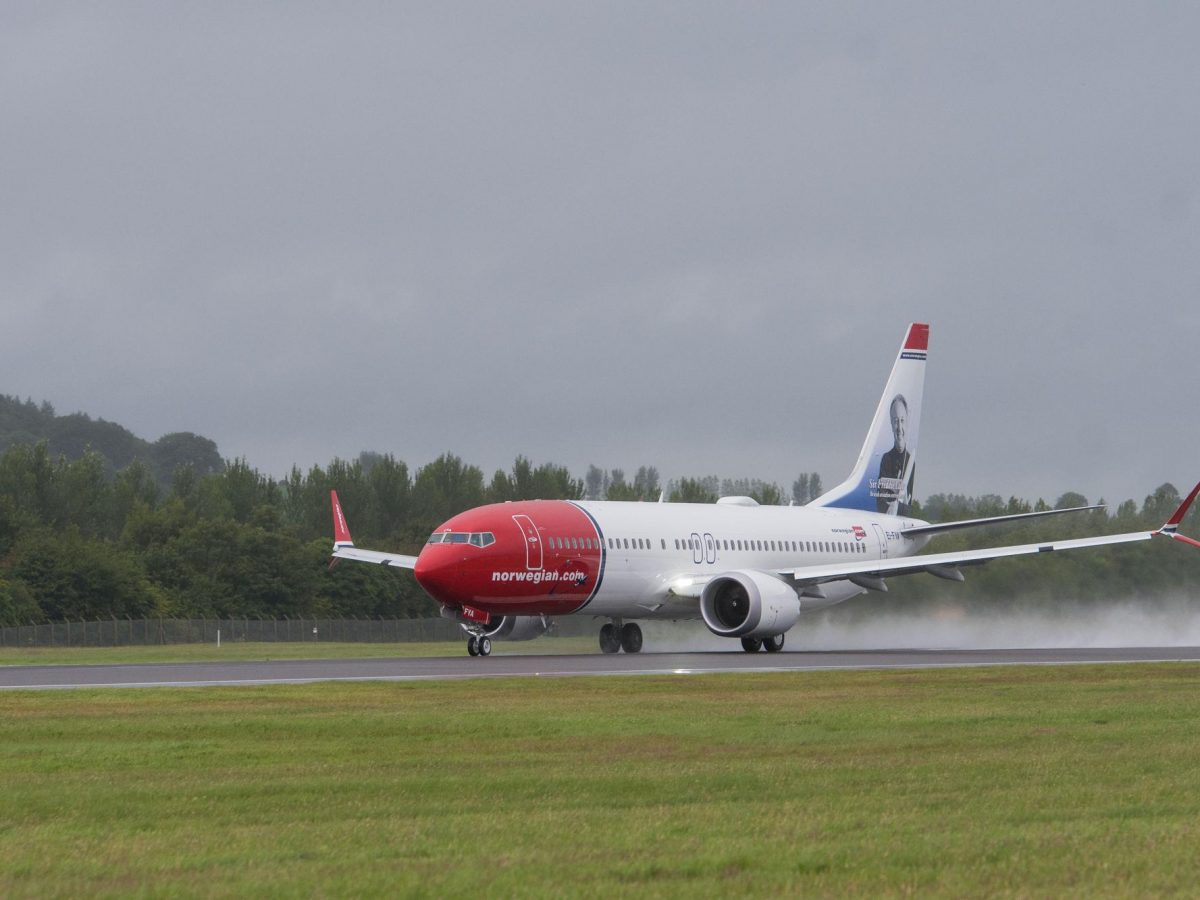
(1024, 781)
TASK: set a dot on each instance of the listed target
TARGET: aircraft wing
(398, 560)
(343, 544)
(945, 565)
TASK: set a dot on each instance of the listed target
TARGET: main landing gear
(615, 637)
(771, 644)
(479, 645)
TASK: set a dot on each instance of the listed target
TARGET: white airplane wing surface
(940, 563)
(945, 565)
(398, 560)
(343, 544)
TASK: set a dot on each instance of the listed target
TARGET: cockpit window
(474, 538)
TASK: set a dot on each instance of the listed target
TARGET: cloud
(629, 235)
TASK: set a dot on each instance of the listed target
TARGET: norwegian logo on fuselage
(860, 533)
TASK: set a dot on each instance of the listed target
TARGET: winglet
(341, 531)
(1171, 529)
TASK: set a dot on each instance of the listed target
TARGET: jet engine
(517, 628)
(748, 604)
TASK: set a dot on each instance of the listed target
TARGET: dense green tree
(17, 604)
(693, 490)
(72, 576)
(445, 487)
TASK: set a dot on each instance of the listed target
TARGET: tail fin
(882, 479)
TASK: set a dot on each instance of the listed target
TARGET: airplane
(504, 571)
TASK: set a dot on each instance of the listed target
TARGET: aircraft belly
(634, 595)
(835, 592)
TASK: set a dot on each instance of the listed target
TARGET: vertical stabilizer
(882, 480)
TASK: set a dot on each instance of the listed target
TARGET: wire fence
(138, 632)
(142, 632)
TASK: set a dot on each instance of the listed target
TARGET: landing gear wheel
(773, 644)
(609, 641)
(473, 645)
(485, 646)
(751, 645)
(631, 638)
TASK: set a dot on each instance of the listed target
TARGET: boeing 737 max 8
(749, 571)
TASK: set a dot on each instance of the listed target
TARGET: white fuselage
(653, 550)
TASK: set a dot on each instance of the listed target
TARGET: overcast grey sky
(678, 234)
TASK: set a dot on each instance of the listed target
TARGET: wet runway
(452, 668)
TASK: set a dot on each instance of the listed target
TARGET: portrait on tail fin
(893, 489)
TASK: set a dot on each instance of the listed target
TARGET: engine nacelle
(517, 628)
(751, 604)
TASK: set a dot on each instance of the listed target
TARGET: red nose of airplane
(521, 558)
(438, 572)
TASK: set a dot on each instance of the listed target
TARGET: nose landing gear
(478, 643)
(615, 637)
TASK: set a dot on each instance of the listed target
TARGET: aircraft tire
(473, 645)
(631, 637)
(751, 645)
(485, 646)
(610, 642)
(773, 644)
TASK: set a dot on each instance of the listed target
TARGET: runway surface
(451, 668)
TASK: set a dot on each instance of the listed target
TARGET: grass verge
(245, 652)
(972, 782)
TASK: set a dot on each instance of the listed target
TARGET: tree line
(80, 541)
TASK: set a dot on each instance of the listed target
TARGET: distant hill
(25, 422)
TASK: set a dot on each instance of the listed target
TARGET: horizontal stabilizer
(991, 520)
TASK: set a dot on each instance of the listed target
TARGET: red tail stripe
(918, 337)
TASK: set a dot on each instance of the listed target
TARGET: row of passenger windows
(584, 543)
(735, 544)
